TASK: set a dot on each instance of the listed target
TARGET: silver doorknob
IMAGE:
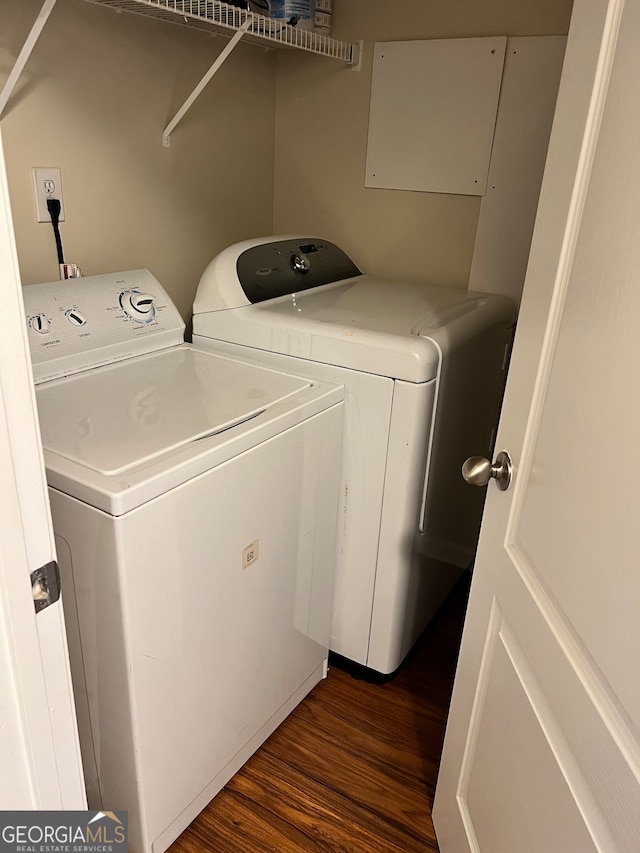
(477, 470)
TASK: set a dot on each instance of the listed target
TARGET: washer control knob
(138, 306)
(40, 324)
(75, 317)
(300, 264)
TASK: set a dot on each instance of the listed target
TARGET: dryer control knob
(300, 264)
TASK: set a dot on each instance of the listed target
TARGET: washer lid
(394, 329)
(115, 419)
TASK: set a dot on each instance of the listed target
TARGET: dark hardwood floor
(352, 770)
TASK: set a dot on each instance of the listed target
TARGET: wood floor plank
(352, 770)
(328, 820)
(362, 784)
(360, 766)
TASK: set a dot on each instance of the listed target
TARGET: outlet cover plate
(47, 183)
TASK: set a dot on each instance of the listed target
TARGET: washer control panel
(82, 323)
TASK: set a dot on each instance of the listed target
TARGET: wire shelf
(216, 16)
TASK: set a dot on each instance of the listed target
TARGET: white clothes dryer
(194, 507)
(423, 367)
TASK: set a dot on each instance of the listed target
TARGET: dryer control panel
(268, 268)
(82, 323)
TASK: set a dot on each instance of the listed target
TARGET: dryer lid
(395, 329)
(118, 418)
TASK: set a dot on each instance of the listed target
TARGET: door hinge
(45, 585)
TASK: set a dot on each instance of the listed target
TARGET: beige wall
(94, 98)
(100, 87)
(321, 138)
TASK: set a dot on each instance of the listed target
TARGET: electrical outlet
(47, 183)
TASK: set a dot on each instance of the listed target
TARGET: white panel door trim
(22, 688)
(596, 107)
(493, 627)
(587, 155)
(558, 743)
(41, 765)
(499, 631)
(613, 716)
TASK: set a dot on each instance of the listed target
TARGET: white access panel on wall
(433, 114)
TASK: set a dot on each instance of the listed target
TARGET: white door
(40, 759)
(542, 747)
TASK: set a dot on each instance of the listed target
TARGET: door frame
(41, 767)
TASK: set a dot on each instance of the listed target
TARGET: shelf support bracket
(25, 53)
(166, 136)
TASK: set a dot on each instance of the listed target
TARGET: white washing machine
(194, 504)
(423, 368)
